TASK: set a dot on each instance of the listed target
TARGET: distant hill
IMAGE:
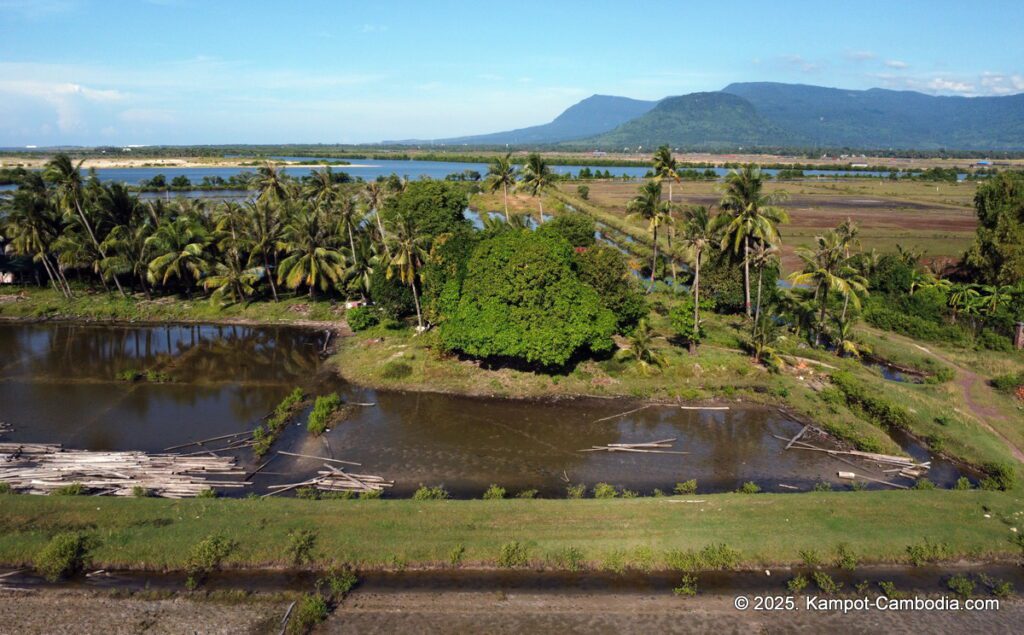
(697, 120)
(593, 115)
(878, 118)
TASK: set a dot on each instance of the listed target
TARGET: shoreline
(35, 163)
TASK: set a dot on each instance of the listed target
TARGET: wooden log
(797, 437)
(622, 414)
(704, 407)
(319, 458)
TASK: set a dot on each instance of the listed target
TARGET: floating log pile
(5, 427)
(38, 468)
(651, 447)
(896, 465)
(335, 479)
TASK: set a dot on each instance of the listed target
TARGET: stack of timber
(335, 479)
(651, 447)
(38, 468)
(898, 465)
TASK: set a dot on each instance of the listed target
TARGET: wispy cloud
(897, 64)
(860, 56)
(801, 64)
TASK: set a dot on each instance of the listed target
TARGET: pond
(59, 383)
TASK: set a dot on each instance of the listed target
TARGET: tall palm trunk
(270, 275)
(416, 301)
(504, 187)
(746, 274)
(92, 235)
(383, 236)
(696, 303)
(846, 303)
(821, 317)
(757, 309)
(654, 260)
(59, 271)
(540, 214)
(672, 258)
(49, 274)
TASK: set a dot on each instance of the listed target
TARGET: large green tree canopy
(521, 299)
(436, 207)
(998, 250)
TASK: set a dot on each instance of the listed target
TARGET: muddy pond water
(67, 383)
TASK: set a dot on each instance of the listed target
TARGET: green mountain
(697, 120)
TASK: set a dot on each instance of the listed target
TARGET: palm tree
(231, 281)
(648, 206)
(67, 177)
(33, 225)
(348, 217)
(665, 167)
(826, 269)
(409, 253)
(749, 214)
(361, 262)
(698, 236)
(376, 194)
(180, 247)
(128, 252)
(762, 341)
(312, 258)
(960, 297)
(992, 297)
(502, 174)
(761, 256)
(272, 183)
(641, 348)
(321, 189)
(264, 232)
(537, 177)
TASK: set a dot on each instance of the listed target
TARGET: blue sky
(205, 71)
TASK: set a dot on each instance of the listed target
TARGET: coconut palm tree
(231, 282)
(826, 269)
(666, 168)
(537, 177)
(128, 252)
(409, 252)
(376, 194)
(348, 218)
(313, 259)
(501, 174)
(698, 237)
(67, 179)
(362, 259)
(641, 348)
(32, 225)
(648, 206)
(321, 189)
(749, 215)
(180, 248)
(761, 256)
(264, 232)
(272, 183)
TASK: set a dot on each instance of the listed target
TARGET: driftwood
(202, 441)
(902, 462)
(623, 414)
(318, 458)
(704, 407)
(650, 447)
(44, 468)
(851, 476)
(797, 437)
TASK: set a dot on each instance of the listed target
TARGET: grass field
(765, 529)
(937, 218)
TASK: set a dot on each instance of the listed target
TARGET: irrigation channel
(66, 383)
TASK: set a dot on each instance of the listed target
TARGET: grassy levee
(46, 303)
(765, 529)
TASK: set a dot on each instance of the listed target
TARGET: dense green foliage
(390, 295)
(522, 300)
(575, 227)
(436, 207)
(323, 411)
(605, 269)
(361, 318)
(998, 251)
(65, 555)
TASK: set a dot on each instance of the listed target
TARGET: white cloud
(860, 56)
(943, 85)
(896, 64)
(801, 64)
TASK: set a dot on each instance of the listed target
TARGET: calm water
(370, 169)
(58, 384)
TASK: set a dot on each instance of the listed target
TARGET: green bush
(962, 483)
(889, 590)
(323, 409)
(845, 559)
(605, 490)
(1000, 476)
(687, 586)
(1008, 383)
(825, 583)
(606, 270)
(810, 557)
(456, 554)
(568, 559)
(300, 546)
(575, 227)
(310, 610)
(5, 488)
(395, 370)
(72, 489)
(576, 491)
(961, 585)
(913, 326)
(750, 487)
(513, 554)
(797, 584)
(205, 557)
(527, 493)
(339, 583)
(425, 493)
(494, 493)
(869, 402)
(65, 555)
(928, 551)
(361, 318)
(924, 484)
(822, 486)
(720, 556)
